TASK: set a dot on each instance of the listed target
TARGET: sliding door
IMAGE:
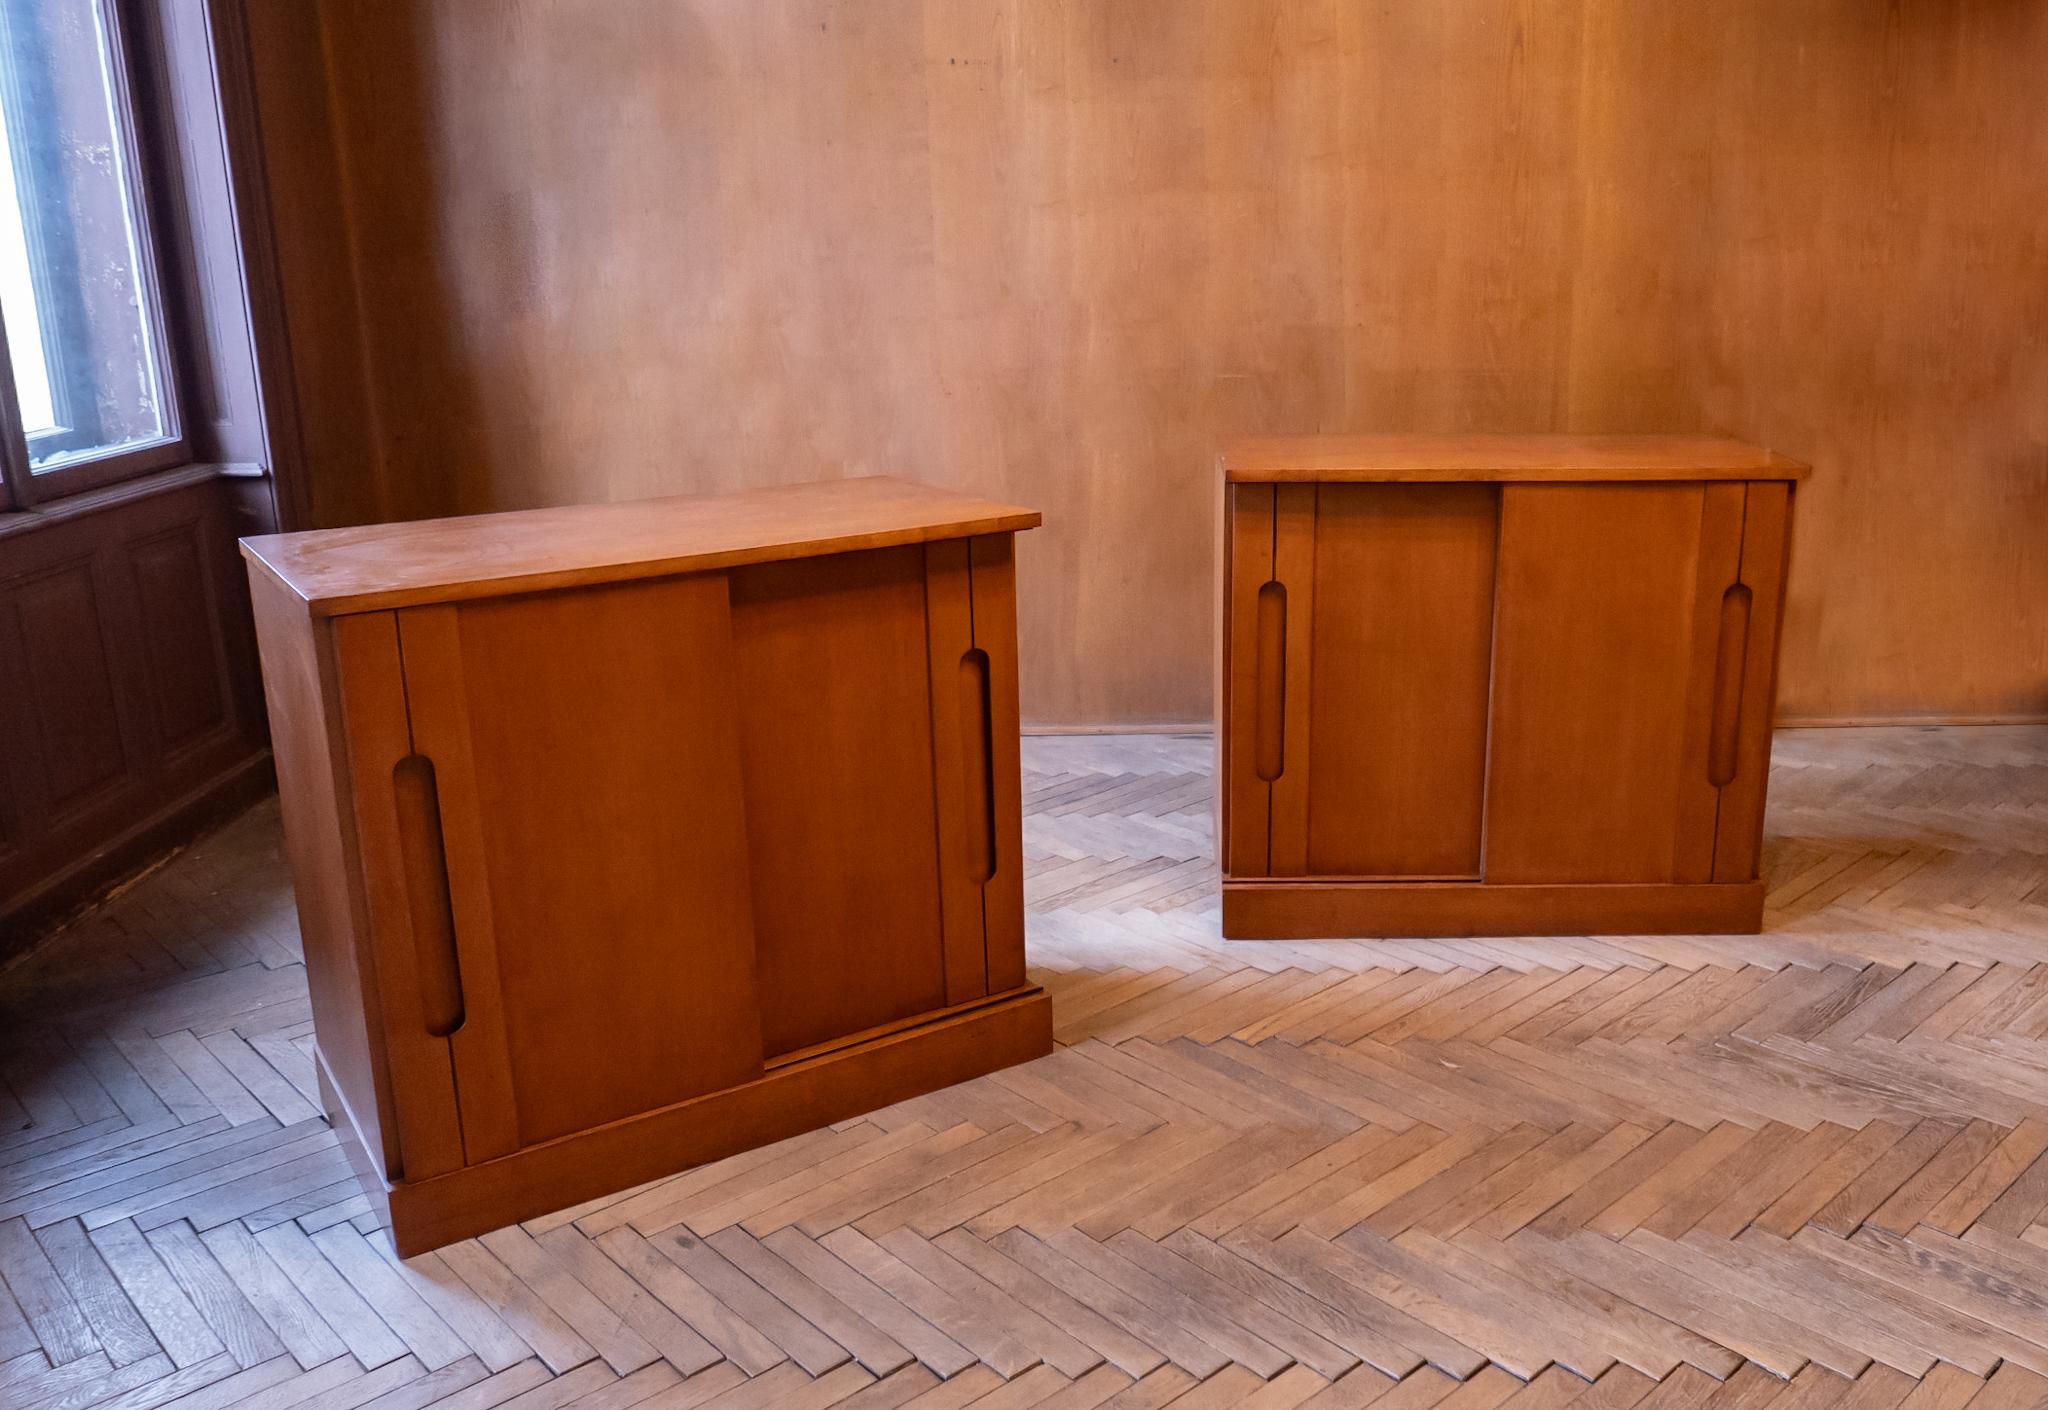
(1615, 603)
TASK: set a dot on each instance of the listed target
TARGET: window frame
(137, 105)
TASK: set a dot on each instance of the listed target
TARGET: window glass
(82, 326)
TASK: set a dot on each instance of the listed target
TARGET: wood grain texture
(1801, 1170)
(1425, 459)
(1598, 767)
(957, 753)
(1395, 744)
(576, 710)
(837, 761)
(129, 701)
(1246, 658)
(1285, 745)
(439, 715)
(403, 565)
(604, 878)
(1281, 910)
(1061, 253)
(1497, 692)
(993, 567)
(785, 1101)
(1766, 544)
(344, 687)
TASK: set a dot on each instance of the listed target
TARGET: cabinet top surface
(1501, 457)
(374, 567)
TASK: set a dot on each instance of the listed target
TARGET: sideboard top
(379, 566)
(1501, 457)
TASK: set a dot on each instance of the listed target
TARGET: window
(89, 398)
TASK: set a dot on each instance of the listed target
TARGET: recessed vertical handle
(977, 765)
(432, 911)
(1724, 742)
(1269, 701)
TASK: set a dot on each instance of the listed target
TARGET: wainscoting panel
(128, 695)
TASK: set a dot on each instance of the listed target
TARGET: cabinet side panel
(600, 727)
(836, 746)
(1403, 647)
(1594, 650)
(299, 688)
(1766, 545)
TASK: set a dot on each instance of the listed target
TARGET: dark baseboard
(57, 900)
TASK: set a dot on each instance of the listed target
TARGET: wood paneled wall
(546, 251)
(129, 704)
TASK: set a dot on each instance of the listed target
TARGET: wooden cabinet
(632, 835)
(1497, 685)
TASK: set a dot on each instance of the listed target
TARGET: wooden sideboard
(632, 835)
(1475, 685)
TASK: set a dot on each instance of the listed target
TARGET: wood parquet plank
(1806, 1169)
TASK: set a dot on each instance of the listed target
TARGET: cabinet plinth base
(1310, 910)
(790, 1099)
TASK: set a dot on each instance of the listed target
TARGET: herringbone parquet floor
(1800, 1170)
